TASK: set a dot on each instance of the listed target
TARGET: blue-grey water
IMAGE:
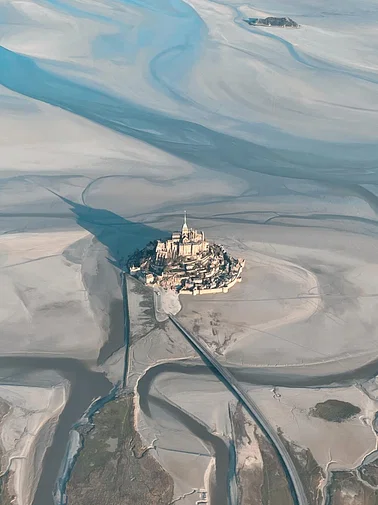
(325, 162)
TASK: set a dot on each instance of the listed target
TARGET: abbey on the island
(189, 242)
(187, 263)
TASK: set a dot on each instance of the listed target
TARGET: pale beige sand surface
(322, 287)
(334, 445)
(342, 445)
(321, 310)
(53, 303)
(184, 456)
(248, 453)
(158, 346)
(18, 248)
(280, 286)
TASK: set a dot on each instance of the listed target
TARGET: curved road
(295, 484)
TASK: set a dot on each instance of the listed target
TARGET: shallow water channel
(85, 386)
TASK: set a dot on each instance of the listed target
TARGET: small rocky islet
(283, 22)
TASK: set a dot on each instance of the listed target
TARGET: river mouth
(85, 386)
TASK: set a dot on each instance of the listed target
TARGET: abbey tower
(187, 243)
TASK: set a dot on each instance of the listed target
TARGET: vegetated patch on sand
(310, 472)
(346, 488)
(114, 467)
(369, 473)
(5, 496)
(275, 489)
(249, 467)
(335, 411)
(260, 476)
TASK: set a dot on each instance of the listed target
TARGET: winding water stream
(85, 386)
(219, 490)
(264, 376)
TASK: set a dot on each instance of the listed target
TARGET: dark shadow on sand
(120, 236)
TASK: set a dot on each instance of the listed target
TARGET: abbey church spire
(184, 229)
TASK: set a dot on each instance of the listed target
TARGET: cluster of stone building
(188, 243)
(187, 263)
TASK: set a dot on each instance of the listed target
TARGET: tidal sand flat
(116, 117)
(27, 430)
(44, 297)
(282, 285)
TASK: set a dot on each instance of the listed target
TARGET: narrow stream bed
(85, 386)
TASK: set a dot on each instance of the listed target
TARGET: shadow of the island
(120, 236)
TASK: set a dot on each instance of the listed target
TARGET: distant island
(187, 264)
(272, 21)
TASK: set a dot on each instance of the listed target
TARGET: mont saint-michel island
(187, 264)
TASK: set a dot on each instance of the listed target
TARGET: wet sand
(116, 338)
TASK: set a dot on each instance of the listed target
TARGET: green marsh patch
(335, 411)
(114, 467)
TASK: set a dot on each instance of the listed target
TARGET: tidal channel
(85, 385)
